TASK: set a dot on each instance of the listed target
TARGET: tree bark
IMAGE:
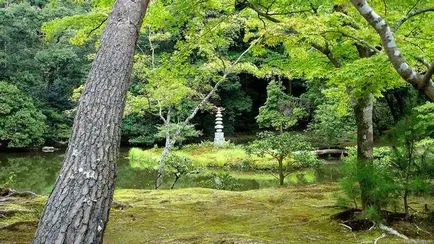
(281, 174)
(164, 155)
(421, 82)
(365, 142)
(78, 208)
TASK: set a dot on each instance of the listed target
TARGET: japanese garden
(216, 121)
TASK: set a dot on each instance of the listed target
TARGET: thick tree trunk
(365, 142)
(78, 208)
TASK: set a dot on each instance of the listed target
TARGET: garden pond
(37, 172)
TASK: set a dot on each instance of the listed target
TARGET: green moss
(294, 214)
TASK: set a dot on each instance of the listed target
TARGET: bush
(281, 146)
(223, 181)
(179, 166)
(379, 181)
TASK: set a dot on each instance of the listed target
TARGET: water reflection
(37, 172)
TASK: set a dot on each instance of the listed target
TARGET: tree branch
(326, 51)
(262, 13)
(428, 75)
(423, 61)
(151, 46)
(97, 27)
(389, 44)
(410, 15)
(216, 86)
(359, 40)
(213, 90)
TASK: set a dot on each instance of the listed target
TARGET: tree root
(393, 231)
(8, 192)
(13, 226)
(325, 206)
(373, 226)
(346, 226)
(381, 237)
(22, 194)
(8, 213)
(420, 229)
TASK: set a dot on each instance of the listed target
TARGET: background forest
(47, 48)
(314, 92)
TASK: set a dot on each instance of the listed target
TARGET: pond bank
(296, 214)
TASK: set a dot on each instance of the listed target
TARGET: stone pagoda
(219, 137)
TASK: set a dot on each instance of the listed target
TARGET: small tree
(280, 111)
(412, 153)
(377, 177)
(280, 146)
(331, 129)
(179, 166)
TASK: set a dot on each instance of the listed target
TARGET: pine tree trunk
(78, 208)
(365, 142)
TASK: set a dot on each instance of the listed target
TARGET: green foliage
(186, 131)
(179, 166)
(21, 125)
(281, 146)
(145, 159)
(140, 129)
(280, 111)
(223, 181)
(329, 128)
(45, 71)
(380, 185)
(277, 145)
(411, 155)
(362, 77)
(305, 159)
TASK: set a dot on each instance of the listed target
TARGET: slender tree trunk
(365, 142)
(405, 198)
(281, 175)
(78, 208)
(174, 182)
(407, 178)
(164, 155)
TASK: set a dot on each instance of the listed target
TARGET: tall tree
(422, 82)
(78, 208)
(356, 77)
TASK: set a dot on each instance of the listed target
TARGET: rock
(120, 205)
(48, 149)
(5, 192)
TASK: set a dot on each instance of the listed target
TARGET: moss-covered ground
(295, 214)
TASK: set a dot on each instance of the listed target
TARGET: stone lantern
(219, 136)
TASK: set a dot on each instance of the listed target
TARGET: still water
(37, 172)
